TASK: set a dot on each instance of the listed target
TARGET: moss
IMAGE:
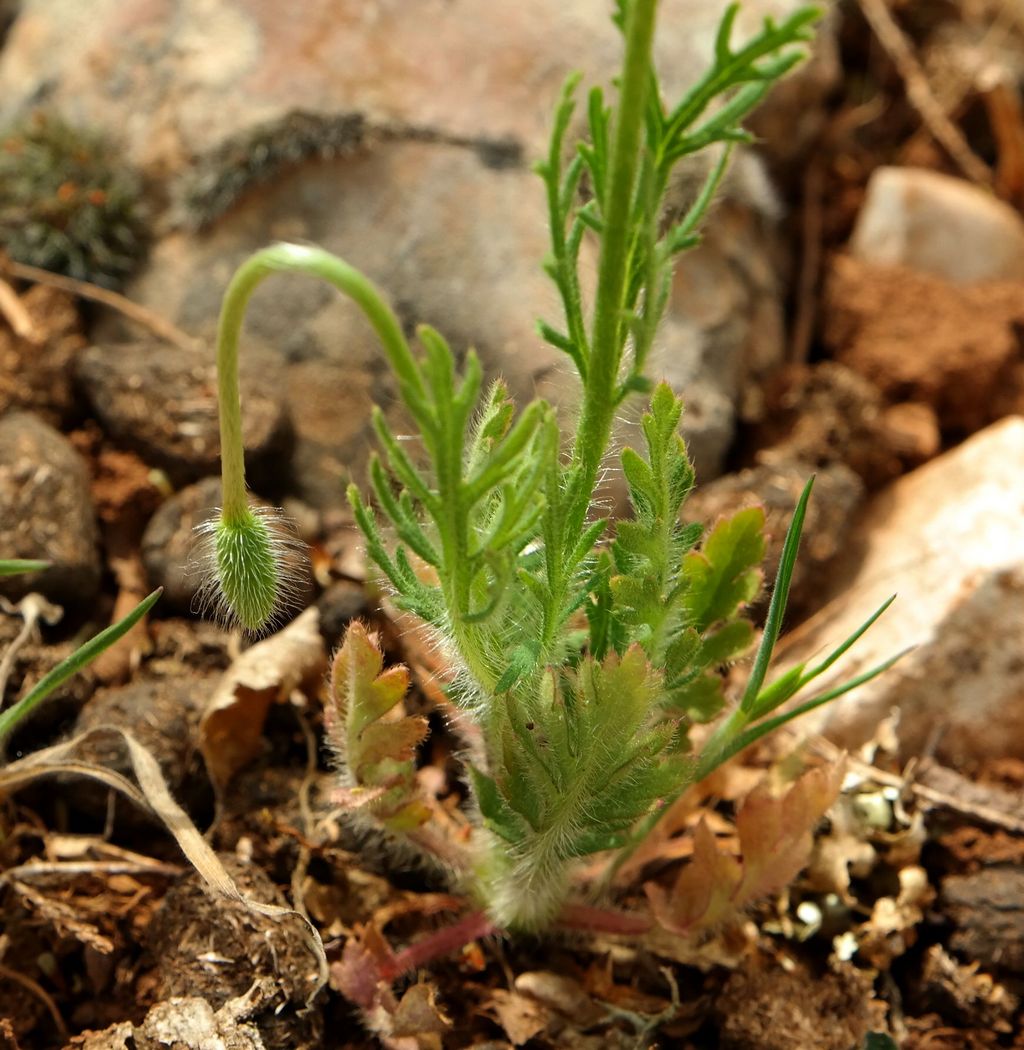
(67, 203)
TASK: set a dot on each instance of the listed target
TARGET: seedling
(582, 650)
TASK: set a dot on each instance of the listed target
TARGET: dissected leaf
(725, 573)
(775, 843)
(373, 737)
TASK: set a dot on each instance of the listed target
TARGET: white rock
(939, 225)
(948, 539)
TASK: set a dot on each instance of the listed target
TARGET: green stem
(318, 263)
(606, 342)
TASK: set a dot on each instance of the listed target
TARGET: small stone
(46, 512)
(947, 540)
(162, 401)
(939, 225)
(216, 948)
(169, 542)
(163, 716)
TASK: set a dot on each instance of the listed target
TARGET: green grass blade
(16, 566)
(771, 697)
(73, 664)
(769, 725)
(777, 605)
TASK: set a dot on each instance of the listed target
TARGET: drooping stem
(317, 263)
(606, 342)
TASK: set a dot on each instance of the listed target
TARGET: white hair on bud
(251, 573)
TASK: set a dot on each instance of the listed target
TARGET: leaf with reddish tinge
(775, 843)
(373, 737)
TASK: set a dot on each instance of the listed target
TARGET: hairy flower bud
(249, 565)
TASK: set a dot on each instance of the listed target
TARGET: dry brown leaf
(231, 729)
(775, 843)
(418, 1016)
(521, 1016)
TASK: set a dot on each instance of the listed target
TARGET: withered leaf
(775, 843)
(231, 729)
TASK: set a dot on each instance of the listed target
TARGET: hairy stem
(277, 259)
(606, 343)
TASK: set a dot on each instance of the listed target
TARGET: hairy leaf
(373, 738)
(725, 573)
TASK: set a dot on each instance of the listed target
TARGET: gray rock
(163, 715)
(939, 225)
(162, 402)
(180, 80)
(947, 540)
(46, 512)
(415, 170)
(169, 542)
(724, 330)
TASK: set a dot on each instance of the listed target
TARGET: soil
(909, 920)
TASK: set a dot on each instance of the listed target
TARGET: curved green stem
(318, 263)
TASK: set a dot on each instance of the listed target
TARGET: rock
(776, 486)
(163, 716)
(191, 927)
(46, 512)
(36, 373)
(157, 72)
(938, 225)
(723, 332)
(169, 542)
(947, 540)
(919, 338)
(394, 164)
(466, 267)
(162, 401)
(190, 1022)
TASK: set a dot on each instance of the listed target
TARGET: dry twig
(158, 325)
(17, 316)
(919, 93)
(958, 804)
